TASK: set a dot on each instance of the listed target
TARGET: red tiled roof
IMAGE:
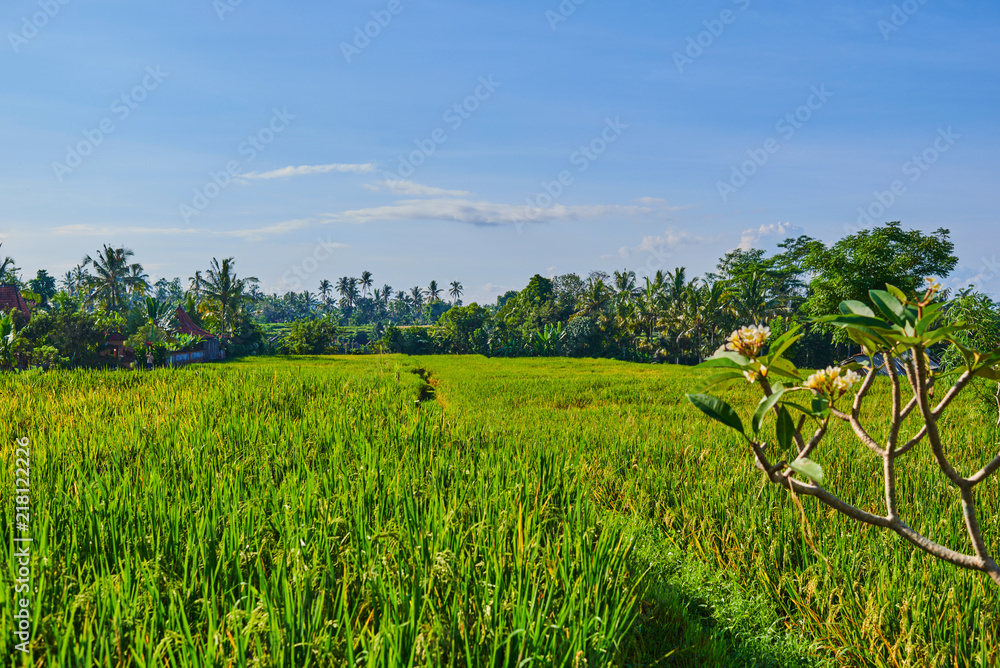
(185, 325)
(10, 298)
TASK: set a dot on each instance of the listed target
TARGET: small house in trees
(11, 300)
(210, 349)
(879, 363)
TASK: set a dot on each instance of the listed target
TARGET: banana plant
(10, 342)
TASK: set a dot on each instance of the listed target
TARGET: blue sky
(489, 141)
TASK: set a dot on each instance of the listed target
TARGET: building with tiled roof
(11, 299)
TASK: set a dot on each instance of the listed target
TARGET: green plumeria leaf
(728, 359)
(783, 367)
(889, 306)
(854, 307)
(821, 407)
(766, 404)
(809, 469)
(784, 342)
(718, 410)
(896, 292)
(785, 428)
(721, 377)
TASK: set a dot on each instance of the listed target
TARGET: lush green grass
(861, 594)
(336, 511)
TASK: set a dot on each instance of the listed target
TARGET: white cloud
(252, 234)
(664, 245)
(90, 230)
(401, 187)
(305, 170)
(752, 236)
(261, 233)
(482, 213)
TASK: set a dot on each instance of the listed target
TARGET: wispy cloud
(665, 244)
(92, 230)
(306, 170)
(752, 237)
(261, 233)
(482, 213)
(401, 187)
(251, 234)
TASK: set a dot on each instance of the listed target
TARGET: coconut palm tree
(417, 295)
(225, 292)
(115, 278)
(196, 282)
(456, 292)
(348, 288)
(309, 301)
(325, 290)
(433, 292)
(157, 314)
(386, 294)
(138, 281)
(365, 283)
(6, 263)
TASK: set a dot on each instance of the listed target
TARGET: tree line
(668, 316)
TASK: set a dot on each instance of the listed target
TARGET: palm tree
(325, 289)
(365, 282)
(456, 292)
(417, 295)
(6, 262)
(196, 282)
(114, 279)
(157, 314)
(348, 289)
(225, 293)
(309, 301)
(138, 280)
(386, 294)
(433, 292)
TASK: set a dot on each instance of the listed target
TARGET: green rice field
(463, 511)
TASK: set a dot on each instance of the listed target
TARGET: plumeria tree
(895, 336)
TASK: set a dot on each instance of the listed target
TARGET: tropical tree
(7, 265)
(309, 302)
(157, 314)
(348, 288)
(365, 282)
(325, 290)
(417, 296)
(225, 293)
(196, 282)
(10, 341)
(456, 292)
(115, 278)
(433, 292)
(870, 259)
